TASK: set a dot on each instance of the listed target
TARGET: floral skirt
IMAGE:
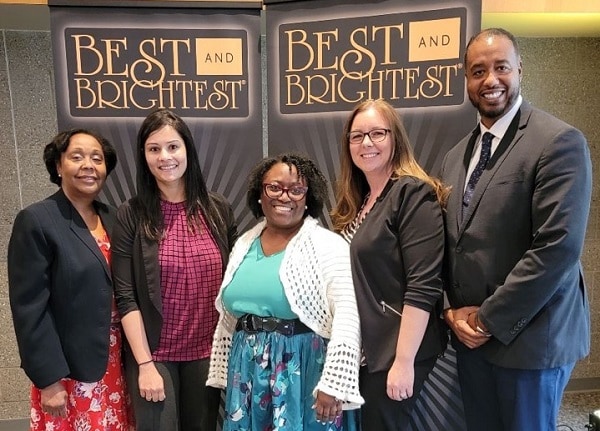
(97, 406)
(270, 383)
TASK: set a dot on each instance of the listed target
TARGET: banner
(113, 66)
(324, 57)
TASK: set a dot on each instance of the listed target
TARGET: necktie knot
(484, 157)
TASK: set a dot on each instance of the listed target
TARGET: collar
(500, 127)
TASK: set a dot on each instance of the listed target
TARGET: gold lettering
(114, 89)
(293, 82)
(302, 44)
(360, 52)
(342, 94)
(175, 46)
(143, 85)
(199, 87)
(147, 60)
(84, 85)
(324, 40)
(410, 73)
(79, 46)
(112, 47)
(393, 75)
(387, 43)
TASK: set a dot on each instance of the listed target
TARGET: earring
(259, 201)
(305, 207)
(59, 175)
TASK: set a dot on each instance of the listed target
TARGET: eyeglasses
(275, 191)
(375, 135)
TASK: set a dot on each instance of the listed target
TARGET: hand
(150, 382)
(327, 408)
(457, 320)
(54, 400)
(400, 380)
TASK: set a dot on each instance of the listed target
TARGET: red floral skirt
(97, 406)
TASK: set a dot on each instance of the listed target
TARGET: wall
(559, 77)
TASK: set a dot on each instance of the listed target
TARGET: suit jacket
(516, 252)
(396, 257)
(136, 269)
(60, 292)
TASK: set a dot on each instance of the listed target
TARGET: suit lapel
(78, 227)
(509, 140)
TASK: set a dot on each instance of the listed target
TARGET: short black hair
(307, 169)
(60, 143)
(494, 32)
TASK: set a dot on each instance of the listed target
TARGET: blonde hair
(352, 186)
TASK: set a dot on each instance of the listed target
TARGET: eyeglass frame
(284, 190)
(386, 131)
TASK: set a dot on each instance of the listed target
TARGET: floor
(574, 413)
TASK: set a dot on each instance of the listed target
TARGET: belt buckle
(287, 328)
(269, 324)
(248, 324)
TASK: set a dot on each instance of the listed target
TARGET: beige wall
(560, 76)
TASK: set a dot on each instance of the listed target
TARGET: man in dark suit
(515, 227)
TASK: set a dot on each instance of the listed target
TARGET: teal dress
(271, 377)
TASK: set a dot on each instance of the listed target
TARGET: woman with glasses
(287, 345)
(390, 211)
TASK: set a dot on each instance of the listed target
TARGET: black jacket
(60, 292)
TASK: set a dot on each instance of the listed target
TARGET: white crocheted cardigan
(317, 280)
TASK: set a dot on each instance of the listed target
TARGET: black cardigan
(136, 270)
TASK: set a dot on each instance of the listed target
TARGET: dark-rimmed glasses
(375, 135)
(274, 191)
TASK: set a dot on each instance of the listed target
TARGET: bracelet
(482, 332)
(478, 328)
(145, 362)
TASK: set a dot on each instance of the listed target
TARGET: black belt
(252, 323)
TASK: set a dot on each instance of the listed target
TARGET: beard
(496, 111)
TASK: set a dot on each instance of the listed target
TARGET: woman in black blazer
(390, 210)
(60, 290)
(171, 246)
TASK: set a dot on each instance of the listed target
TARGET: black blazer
(396, 257)
(516, 251)
(136, 268)
(60, 292)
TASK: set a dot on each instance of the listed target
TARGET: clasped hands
(463, 323)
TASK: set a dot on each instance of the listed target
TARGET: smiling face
(493, 76)
(82, 168)
(371, 158)
(166, 157)
(282, 212)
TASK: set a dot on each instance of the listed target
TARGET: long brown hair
(147, 201)
(352, 186)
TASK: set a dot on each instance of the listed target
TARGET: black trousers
(189, 404)
(380, 412)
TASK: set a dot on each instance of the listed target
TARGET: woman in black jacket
(171, 245)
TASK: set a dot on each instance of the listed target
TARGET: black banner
(113, 66)
(412, 59)
(326, 56)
